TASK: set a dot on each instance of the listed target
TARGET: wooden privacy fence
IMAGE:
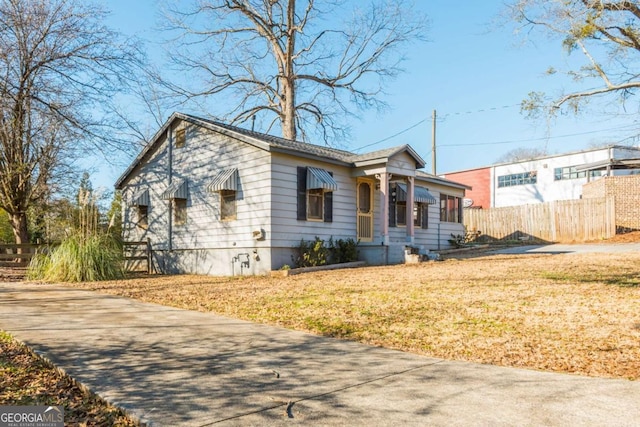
(559, 221)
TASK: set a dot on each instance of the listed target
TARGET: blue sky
(473, 72)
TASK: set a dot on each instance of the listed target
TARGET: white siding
(547, 189)
(287, 230)
(152, 175)
(207, 244)
(402, 164)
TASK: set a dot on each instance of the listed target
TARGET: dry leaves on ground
(565, 313)
(26, 379)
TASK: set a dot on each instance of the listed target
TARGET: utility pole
(433, 144)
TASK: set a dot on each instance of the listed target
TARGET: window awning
(320, 178)
(420, 194)
(225, 180)
(177, 190)
(141, 198)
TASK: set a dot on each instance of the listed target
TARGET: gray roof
(439, 180)
(273, 143)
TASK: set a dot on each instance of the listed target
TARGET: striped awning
(225, 180)
(141, 198)
(420, 194)
(177, 190)
(320, 178)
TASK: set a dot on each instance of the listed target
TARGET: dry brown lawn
(565, 313)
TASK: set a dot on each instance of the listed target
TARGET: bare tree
(607, 33)
(521, 154)
(281, 60)
(60, 71)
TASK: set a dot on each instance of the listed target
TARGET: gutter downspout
(170, 171)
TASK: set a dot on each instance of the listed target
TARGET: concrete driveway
(172, 367)
(571, 249)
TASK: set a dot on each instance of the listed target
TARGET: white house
(544, 179)
(217, 199)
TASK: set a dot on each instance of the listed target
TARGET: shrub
(310, 253)
(343, 250)
(315, 253)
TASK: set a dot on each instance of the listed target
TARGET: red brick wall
(480, 181)
(626, 192)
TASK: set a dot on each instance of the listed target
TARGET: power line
(392, 136)
(441, 118)
(536, 139)
(484, 110)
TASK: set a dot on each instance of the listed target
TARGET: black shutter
(328, 204)
(425, 215)
(392, 206)
(302, 193)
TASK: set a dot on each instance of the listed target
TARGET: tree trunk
(19, 224)
(289, 130)
(289, 111)
(20, 232)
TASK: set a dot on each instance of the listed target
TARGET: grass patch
(27, 379)
(556, 313)
(80, 258)
(625, 280)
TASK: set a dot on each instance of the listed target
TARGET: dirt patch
(632, 237)
(565, 313)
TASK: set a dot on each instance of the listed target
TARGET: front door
(364, 205)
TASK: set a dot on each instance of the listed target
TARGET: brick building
(625, 191)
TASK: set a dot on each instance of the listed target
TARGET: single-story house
(221, 200)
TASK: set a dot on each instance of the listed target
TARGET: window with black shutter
(315, 194)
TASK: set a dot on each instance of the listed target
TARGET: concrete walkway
(586, 248)
(173, 367)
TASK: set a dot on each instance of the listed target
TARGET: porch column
(410, 202)
(384, 206)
